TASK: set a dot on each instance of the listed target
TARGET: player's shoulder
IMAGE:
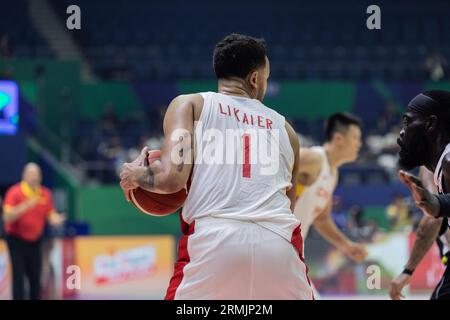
(290, 130)
(311, 155)
(292, 135)
(185, 104)
(190, 97)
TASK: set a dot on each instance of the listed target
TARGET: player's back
(243, 164)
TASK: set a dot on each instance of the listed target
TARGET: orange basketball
(155, 203)
(152, 156)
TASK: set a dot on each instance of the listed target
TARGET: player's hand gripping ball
(156, 204)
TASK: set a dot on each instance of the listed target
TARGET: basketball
(152, 155)
(156, 204)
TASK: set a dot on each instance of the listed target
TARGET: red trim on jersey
(246, 167)
(297, 242)
(182, 261)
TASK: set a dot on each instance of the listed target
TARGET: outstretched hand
(423, 199)
(355, 251)
(397, 285)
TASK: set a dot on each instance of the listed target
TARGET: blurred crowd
(106, 144)
(5, 46)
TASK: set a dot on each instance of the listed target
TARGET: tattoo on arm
(151, 178)
(181, 155)
(147, 182)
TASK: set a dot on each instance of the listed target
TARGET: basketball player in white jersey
(240, 237)
(318, 177)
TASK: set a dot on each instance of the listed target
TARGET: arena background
(81, 102)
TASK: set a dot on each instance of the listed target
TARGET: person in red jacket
(26, 208)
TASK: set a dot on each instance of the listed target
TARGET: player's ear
(432, 123)
(337, 137)
(253, 79)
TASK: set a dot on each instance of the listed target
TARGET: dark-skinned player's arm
(443, 210)
(426, 234)
(327, 228)
(171, 173)
(291, 193)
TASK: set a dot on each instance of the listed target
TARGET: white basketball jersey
(445, 239)
(243, 164)
(315, 197)
(438, 175)
(438, 171)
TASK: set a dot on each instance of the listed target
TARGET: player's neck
(436, 154)
(334, 160)
(234, 87)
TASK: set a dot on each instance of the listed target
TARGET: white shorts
(230, 259)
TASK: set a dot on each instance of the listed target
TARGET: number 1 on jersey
(246, 167)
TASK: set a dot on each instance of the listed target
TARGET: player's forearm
(156, 178)
(427, 232)
(170, 173)
(443, 209)
(328, 229)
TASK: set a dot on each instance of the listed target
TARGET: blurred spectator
(5, 46)
(109, 122)
(384, 148)
(355, 217)
(358, 227)
(114, 155)
(388, 118)
(121, 70)
(155, 117)
(384, 143)
(110, 142)
(434, 65)
(398, 212)
(27, 207)
(338, 213)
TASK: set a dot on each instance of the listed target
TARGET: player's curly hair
(237, 55)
